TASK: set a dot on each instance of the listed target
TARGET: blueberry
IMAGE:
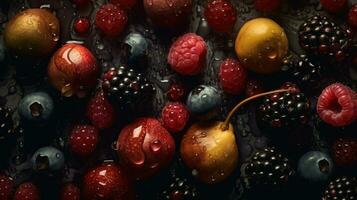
(315, 166)
(47, 159)
(36, 107)
(138, 48)
(204, 101)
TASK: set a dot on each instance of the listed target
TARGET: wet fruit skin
(211, 154)
(315, 166)
(6, 187)
(168, 13)
(107, 182)
(70, 192)
(73, 70)
(261, 45)
(27, 191)
(145, 147)
(32, 33)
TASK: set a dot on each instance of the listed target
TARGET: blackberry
(342, 188)
(320, 36)
(6, 123)
(126, 87)
(179, 189)
(284, 110)
(267, 169)
(306, 71)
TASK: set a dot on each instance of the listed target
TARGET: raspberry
(232, 76)
(81, 25)
(100, 111)
(70, 192)
(221, 15)
(344, 152)
(174, 117)
(337, 105)
(176, 92)
(6, 187)
(27, 191)
(267, 5)
(187, 54)
(126, 4)
(111, 19)
(352, 16)
(253, 87)
(83, 140)
(333, 6)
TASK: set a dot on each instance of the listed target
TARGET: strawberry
(27, 191)
(232, 76)
(221, 15)
(344, 152)
(111, 20)
(100, 111)
(83, 140)
(6, 187)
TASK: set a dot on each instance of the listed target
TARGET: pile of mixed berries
(115, 143)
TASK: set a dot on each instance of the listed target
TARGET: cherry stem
(225, 125)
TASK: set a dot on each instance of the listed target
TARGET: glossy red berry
(111, 20)
(176, 92)
(174, 117)
(70, 192)
(232, 76)
(6, 187)
(82, 25)
(83, 140)
(337, 105)
(267, 5)
(334, 6)
(107, 182)
(27, 191)
(100, 111)
(352, 16)
(344, 152)
(81, 3)
(221, 15)
(187, 54)
(126, 4)
(253, 87)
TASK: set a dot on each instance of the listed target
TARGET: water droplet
(155, 146)
(194, 172)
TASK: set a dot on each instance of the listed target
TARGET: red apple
(145, 147)
(73, 70)
(107, 182)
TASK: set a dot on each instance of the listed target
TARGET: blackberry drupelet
(342, 188)
(306, 71)
(267, 169)
(322, 37)
(126, 87)
(6, 123)
(179, 189)
(285, 110)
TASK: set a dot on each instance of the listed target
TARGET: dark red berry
(100, 111)
(232, 76)
(221, 15)
(337, 105)
(352, 16)
(81, 3)
(174, 117)
(333, 6)
(126, 4)
(344, 152)
(176, 92)
(82, 25)
(70, 192)
(111, 19)
(253, 87)
(83, 140)
(267, 5)
(6, 187)
(27, 191)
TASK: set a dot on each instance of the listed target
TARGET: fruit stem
(225, 125)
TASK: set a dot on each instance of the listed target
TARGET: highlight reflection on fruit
(145, 147)
(261, 45)
(73, 70)
(33, 32)
(209, 148)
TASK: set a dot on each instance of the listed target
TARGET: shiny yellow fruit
(33, 32)
(210, 152)
(261, 45)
